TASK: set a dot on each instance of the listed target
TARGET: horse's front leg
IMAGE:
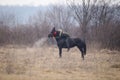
(60, 52)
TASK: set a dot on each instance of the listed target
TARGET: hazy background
(25, 22)
(26, 53)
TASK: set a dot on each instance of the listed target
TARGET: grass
(29, 63)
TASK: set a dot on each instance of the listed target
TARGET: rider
(65, 36)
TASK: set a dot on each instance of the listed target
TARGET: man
(65, 36)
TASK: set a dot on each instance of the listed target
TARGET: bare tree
(61, 17)
(6, 21)
(84, 11)
(40, 24)
(105, 19)
(98, 19)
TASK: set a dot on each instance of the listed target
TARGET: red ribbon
(54, 34)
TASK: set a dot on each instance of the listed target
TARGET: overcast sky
(31, 2)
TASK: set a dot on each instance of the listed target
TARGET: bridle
(60, 34)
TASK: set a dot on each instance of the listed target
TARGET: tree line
(95, 21)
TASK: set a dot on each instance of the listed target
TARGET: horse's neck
(58, 39)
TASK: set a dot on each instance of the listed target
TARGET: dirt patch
(115, 66)
(106, 51)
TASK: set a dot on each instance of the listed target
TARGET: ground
(43, 63)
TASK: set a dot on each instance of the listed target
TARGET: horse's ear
(53, 29)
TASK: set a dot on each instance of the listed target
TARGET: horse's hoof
(68, 50)
(60, 56)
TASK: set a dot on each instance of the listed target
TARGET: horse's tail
(81, 44)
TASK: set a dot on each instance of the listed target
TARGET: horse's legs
(84, 49)
(82, 52)
(67, 43)
(82, 55)
(60, 52)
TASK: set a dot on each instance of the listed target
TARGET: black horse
(65, 41)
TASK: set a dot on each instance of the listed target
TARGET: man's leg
(67, 43)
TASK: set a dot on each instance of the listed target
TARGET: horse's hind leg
(83, 56)
(84, 49)
(67, 43)
(82, 52)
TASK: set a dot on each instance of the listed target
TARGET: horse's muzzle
(50, 35)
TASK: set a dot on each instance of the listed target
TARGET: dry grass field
(30, 63)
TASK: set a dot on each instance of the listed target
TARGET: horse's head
(53, 33)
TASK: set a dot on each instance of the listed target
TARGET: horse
(65, 41)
